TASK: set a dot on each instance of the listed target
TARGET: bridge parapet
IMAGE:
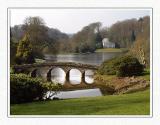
(69, 64)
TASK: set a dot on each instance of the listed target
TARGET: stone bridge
(47, 68)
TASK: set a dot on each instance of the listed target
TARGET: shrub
(52, 90)
(122, 66)
(24, 88)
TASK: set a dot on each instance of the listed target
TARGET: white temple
(107, 44)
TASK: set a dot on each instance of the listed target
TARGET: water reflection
(75, 76)
(89, 76)
(79, 93)
(58, 75)
(92, 58)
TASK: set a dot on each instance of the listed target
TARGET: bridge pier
(83, 77)
(67, 75)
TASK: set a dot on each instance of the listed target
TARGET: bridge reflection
(58, 75)
(73, 76)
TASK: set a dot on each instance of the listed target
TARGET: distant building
(107, 44)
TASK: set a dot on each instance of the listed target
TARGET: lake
(58, 75)
(90, 58)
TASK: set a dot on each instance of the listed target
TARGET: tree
(86, 39)
(37, 31)
(98, 41)
(133, 36)
(13, 48)
(141, 47)
(123, 32)
(141, 23)
(24, 53)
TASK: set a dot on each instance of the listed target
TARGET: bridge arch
(89, 76)
(36, 72)
(49, 72)
(33, 73)
(74, 76)
(58, 74)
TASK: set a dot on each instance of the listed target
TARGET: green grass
(127, 104)
(112, 50)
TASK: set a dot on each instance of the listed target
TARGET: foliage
(122, 32)
(24, 88)
(13, 48)
(125, 34)
(98, 40)
(24, 53)
(84, 47)
(37, 34)
(40, 36)
(141, 48)
(52, 89)
(121, 66)
(133, 36)
(88, 39)
(130, 67)
(12, 71)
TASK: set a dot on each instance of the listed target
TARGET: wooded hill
(132, 33)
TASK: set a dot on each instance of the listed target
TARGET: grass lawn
(128, 104)
(112, 50)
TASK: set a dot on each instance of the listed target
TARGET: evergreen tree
(24, 53)
(133, 36)
(13, 48)
(98, 41)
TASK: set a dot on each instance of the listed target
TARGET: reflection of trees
(50, 58)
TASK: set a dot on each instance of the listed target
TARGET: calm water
(91, 58)
(58, 75)
(79, 93)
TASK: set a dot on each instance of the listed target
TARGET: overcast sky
(73, 20)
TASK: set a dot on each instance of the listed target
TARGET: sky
(73, 20)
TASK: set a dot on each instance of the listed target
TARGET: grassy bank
(127, 104)
(112, 50)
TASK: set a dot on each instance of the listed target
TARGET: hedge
(24, 88)
(121, 66)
